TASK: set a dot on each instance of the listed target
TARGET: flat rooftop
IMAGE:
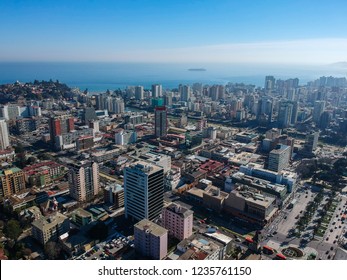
(47, 222)
(147, 225)
(145, 167)
(178, 209)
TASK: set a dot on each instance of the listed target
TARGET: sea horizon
(102, 76)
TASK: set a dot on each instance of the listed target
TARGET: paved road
(326, 247)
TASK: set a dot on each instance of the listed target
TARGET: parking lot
(109, 249)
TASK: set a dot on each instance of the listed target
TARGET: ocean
(98, 77)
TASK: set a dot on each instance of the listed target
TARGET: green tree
(45, 156)
(99, 231)
(52, 250)
(31, 160)
(13, 230)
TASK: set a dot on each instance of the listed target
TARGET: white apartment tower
(84, 180)
(4, 139)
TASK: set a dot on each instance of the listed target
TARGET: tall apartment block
(178, 221)
(285, 114)
(143, 190)
(59, 125)
(279, 158)
(4, 138)
(157, 90)
(160, 118)
(151, 240)
(12, 181)
(139, 93)
(318, 110)
(84, 180)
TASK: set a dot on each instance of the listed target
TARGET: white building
(84, 180)
(4, 138)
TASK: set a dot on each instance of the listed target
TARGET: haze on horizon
(299, 32)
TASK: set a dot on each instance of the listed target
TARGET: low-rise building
(82, 217)
(114, 194)
(178, 221)
(50, 228)
(43, 174)
(151, 240)
(105, 155)
(264, 186)
(283, 177)
(213, 198)
(250, 205)
(202, 247)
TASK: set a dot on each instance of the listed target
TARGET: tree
(31, 160)
(13, 230)
(27, 252)
(45, 156)
(52, 250)
(19, 149)
(99, 231)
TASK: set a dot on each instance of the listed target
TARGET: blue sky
(267, 31)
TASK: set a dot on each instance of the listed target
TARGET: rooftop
(10, 171)
(279, 149)
(182, 211)
(145, 167)
(82, 213)
(47, 222)
(150, 227)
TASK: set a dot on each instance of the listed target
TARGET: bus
(249, 239)
(280, 257)
(268, 250)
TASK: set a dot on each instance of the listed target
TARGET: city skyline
(295, 32)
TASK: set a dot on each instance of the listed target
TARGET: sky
(216, 31)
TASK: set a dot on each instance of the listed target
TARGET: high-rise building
(265, 108)
(185, 92)
(59, 125)
(325, 119)
(143, 190)
(318, 110)
(116, 106)
(4, 138)
(84, 180)
(279, 158)
(139, 92)
(270, 82)
(111, 104)
(217, 92)
(311, 142)
(89, 114)
(285, 114)
(295, 110)
(178, 221)
(160, 119)
(157, 90)
(168, 99)
(124, 137)
(12, 181)
(50, 228)
(151, 240)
